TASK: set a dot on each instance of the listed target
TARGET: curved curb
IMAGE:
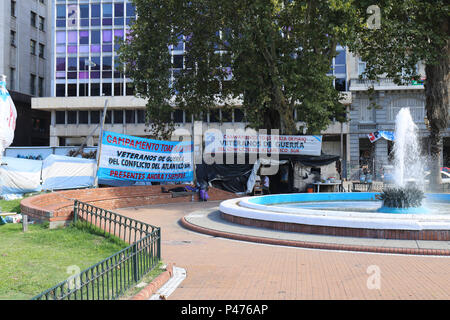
(313, 245)
(155, 285)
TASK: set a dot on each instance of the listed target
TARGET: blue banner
(125, 157)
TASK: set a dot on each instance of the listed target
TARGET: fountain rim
(262, 203)
(248, 208)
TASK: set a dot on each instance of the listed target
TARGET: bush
(402, 197)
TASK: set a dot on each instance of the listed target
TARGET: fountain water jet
(408, 162)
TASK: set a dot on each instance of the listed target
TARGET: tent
(62, 172)
(19, 176)
(240, 178)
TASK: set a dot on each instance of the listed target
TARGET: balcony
(357, 84)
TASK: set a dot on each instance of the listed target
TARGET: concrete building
(85, 73)
(365, 119)
(25, 58)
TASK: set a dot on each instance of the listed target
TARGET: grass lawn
(34, 261)
(10, 206)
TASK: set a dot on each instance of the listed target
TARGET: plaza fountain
(402, 211)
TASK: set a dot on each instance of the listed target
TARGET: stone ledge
(57, 206)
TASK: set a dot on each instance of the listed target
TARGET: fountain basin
(339, 214)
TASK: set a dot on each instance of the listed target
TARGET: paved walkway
(219, 268)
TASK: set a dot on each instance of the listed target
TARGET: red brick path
(219, 268)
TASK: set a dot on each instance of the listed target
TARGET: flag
(374, 136)
(8, 116)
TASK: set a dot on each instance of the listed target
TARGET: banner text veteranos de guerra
(125, 157)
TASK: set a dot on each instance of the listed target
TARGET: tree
(410, 31)
(272, 55)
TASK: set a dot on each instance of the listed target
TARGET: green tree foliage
(271, 55)
(410, 31)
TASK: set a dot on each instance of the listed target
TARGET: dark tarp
(228, 177)
(234, 177)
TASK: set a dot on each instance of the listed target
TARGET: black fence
(111, 277)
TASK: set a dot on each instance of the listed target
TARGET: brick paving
(219, 268)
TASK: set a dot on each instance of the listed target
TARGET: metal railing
(111, 277)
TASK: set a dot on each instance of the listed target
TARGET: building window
(60, 90)
(41, 23)
(13, 38)
(32, 84)
(361, 67)
(60, 117)
(13, 8)
(33, 17)
(33, 47)
(61, 15)
(238, 115)
(83, 117)
(41, 50)
(71, 117)
(95, 117)
(178, 116)
(129, 116)
(118, 116)
(41, 87)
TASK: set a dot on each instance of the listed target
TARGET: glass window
(129, 116)
(60, 11)
(61, 37)
(340, 58)
(60, 64)
(84, 37)
(60, 117)
(107, 89)
(71, 117)
(82, 90)
(130, 10)
(238, 115)
(214, 115)
(72, 64)
(33, 47)
(118, 10)
(226, 115)
(72, 89)
(118, 89)
(178, 116)
(83, 117)
(60, 90)
(95, 117)
(118, 116)
(95, 11)
(107, 36)
(95, 89)
(107, 14)
(72, 37)
(340, 84)
(107, 10)
(95, 36)
(141, 116)
(178, 61)
(107, 67)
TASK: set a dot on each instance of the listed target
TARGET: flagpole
(99, 144)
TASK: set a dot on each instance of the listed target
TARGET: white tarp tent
(62, 172)
(18, 176)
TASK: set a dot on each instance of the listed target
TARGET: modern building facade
(25, 58)
(85, 73)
